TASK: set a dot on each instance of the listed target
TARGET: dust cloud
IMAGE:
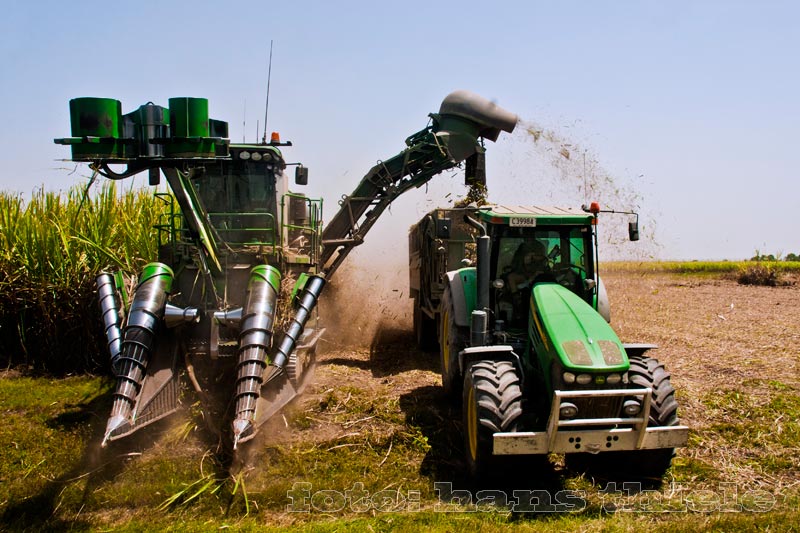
(535, 165)
(368, 292)
(547, 167)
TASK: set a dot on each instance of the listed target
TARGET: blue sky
(689, 108)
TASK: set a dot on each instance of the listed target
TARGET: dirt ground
(714, 336)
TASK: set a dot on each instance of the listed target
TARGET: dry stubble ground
(731, 349)
(375, 416)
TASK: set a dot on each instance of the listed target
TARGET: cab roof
(544, 215)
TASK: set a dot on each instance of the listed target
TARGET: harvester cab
(242, 259)
(525, 341)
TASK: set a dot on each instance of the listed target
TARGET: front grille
(602, 407)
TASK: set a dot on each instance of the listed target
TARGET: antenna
(266, 107)
(244, 122)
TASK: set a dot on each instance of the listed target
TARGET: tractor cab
(526, 252)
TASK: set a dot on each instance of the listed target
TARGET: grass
(762, 273)
(699, 267)
(373, 475)
(766, 422)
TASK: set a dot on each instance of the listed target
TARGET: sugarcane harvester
(210, 301)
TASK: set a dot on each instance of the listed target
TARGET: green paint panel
(188, 117)
(267, 273)
(95, 117)
(300, 284)
(565, 326)
(152, 270)
(96, 125)
(191, 148)
(469, 278)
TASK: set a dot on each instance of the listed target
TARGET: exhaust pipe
(146, 312)
(254, 343)
(109, 304)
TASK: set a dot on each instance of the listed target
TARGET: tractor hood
(571, 330)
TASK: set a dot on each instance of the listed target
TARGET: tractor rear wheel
(645, 372)
(424, 329)
(492, 404)
(452, 339)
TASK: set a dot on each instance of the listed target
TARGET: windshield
(240, 199)
(530, 251)
(523, 257)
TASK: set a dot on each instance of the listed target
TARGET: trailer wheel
(452, 339)
(640, 464)
(424, 329)
(492, 404)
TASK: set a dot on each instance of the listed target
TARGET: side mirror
(301, 175)
(633, 230)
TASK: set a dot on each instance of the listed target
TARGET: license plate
(522, 222)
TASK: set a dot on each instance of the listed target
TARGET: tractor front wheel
(648, 465)
(492, 404)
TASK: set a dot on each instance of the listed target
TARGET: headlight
(613, 379)
(244, 155)
(256, 156)
(569, 378)
(631, 407)
(577, 353)
(612, 354)
(584, 379)
(568, 410)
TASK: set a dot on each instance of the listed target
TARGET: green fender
(464, 289)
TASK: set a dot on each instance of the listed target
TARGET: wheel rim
(472, 425)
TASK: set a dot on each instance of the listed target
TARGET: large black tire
(492, 403)
(639, 464)
(452, 339)
(424, 329)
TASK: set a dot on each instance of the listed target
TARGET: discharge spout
(464, 117)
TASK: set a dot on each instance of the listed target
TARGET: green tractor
(526, 346)
(230, 301)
